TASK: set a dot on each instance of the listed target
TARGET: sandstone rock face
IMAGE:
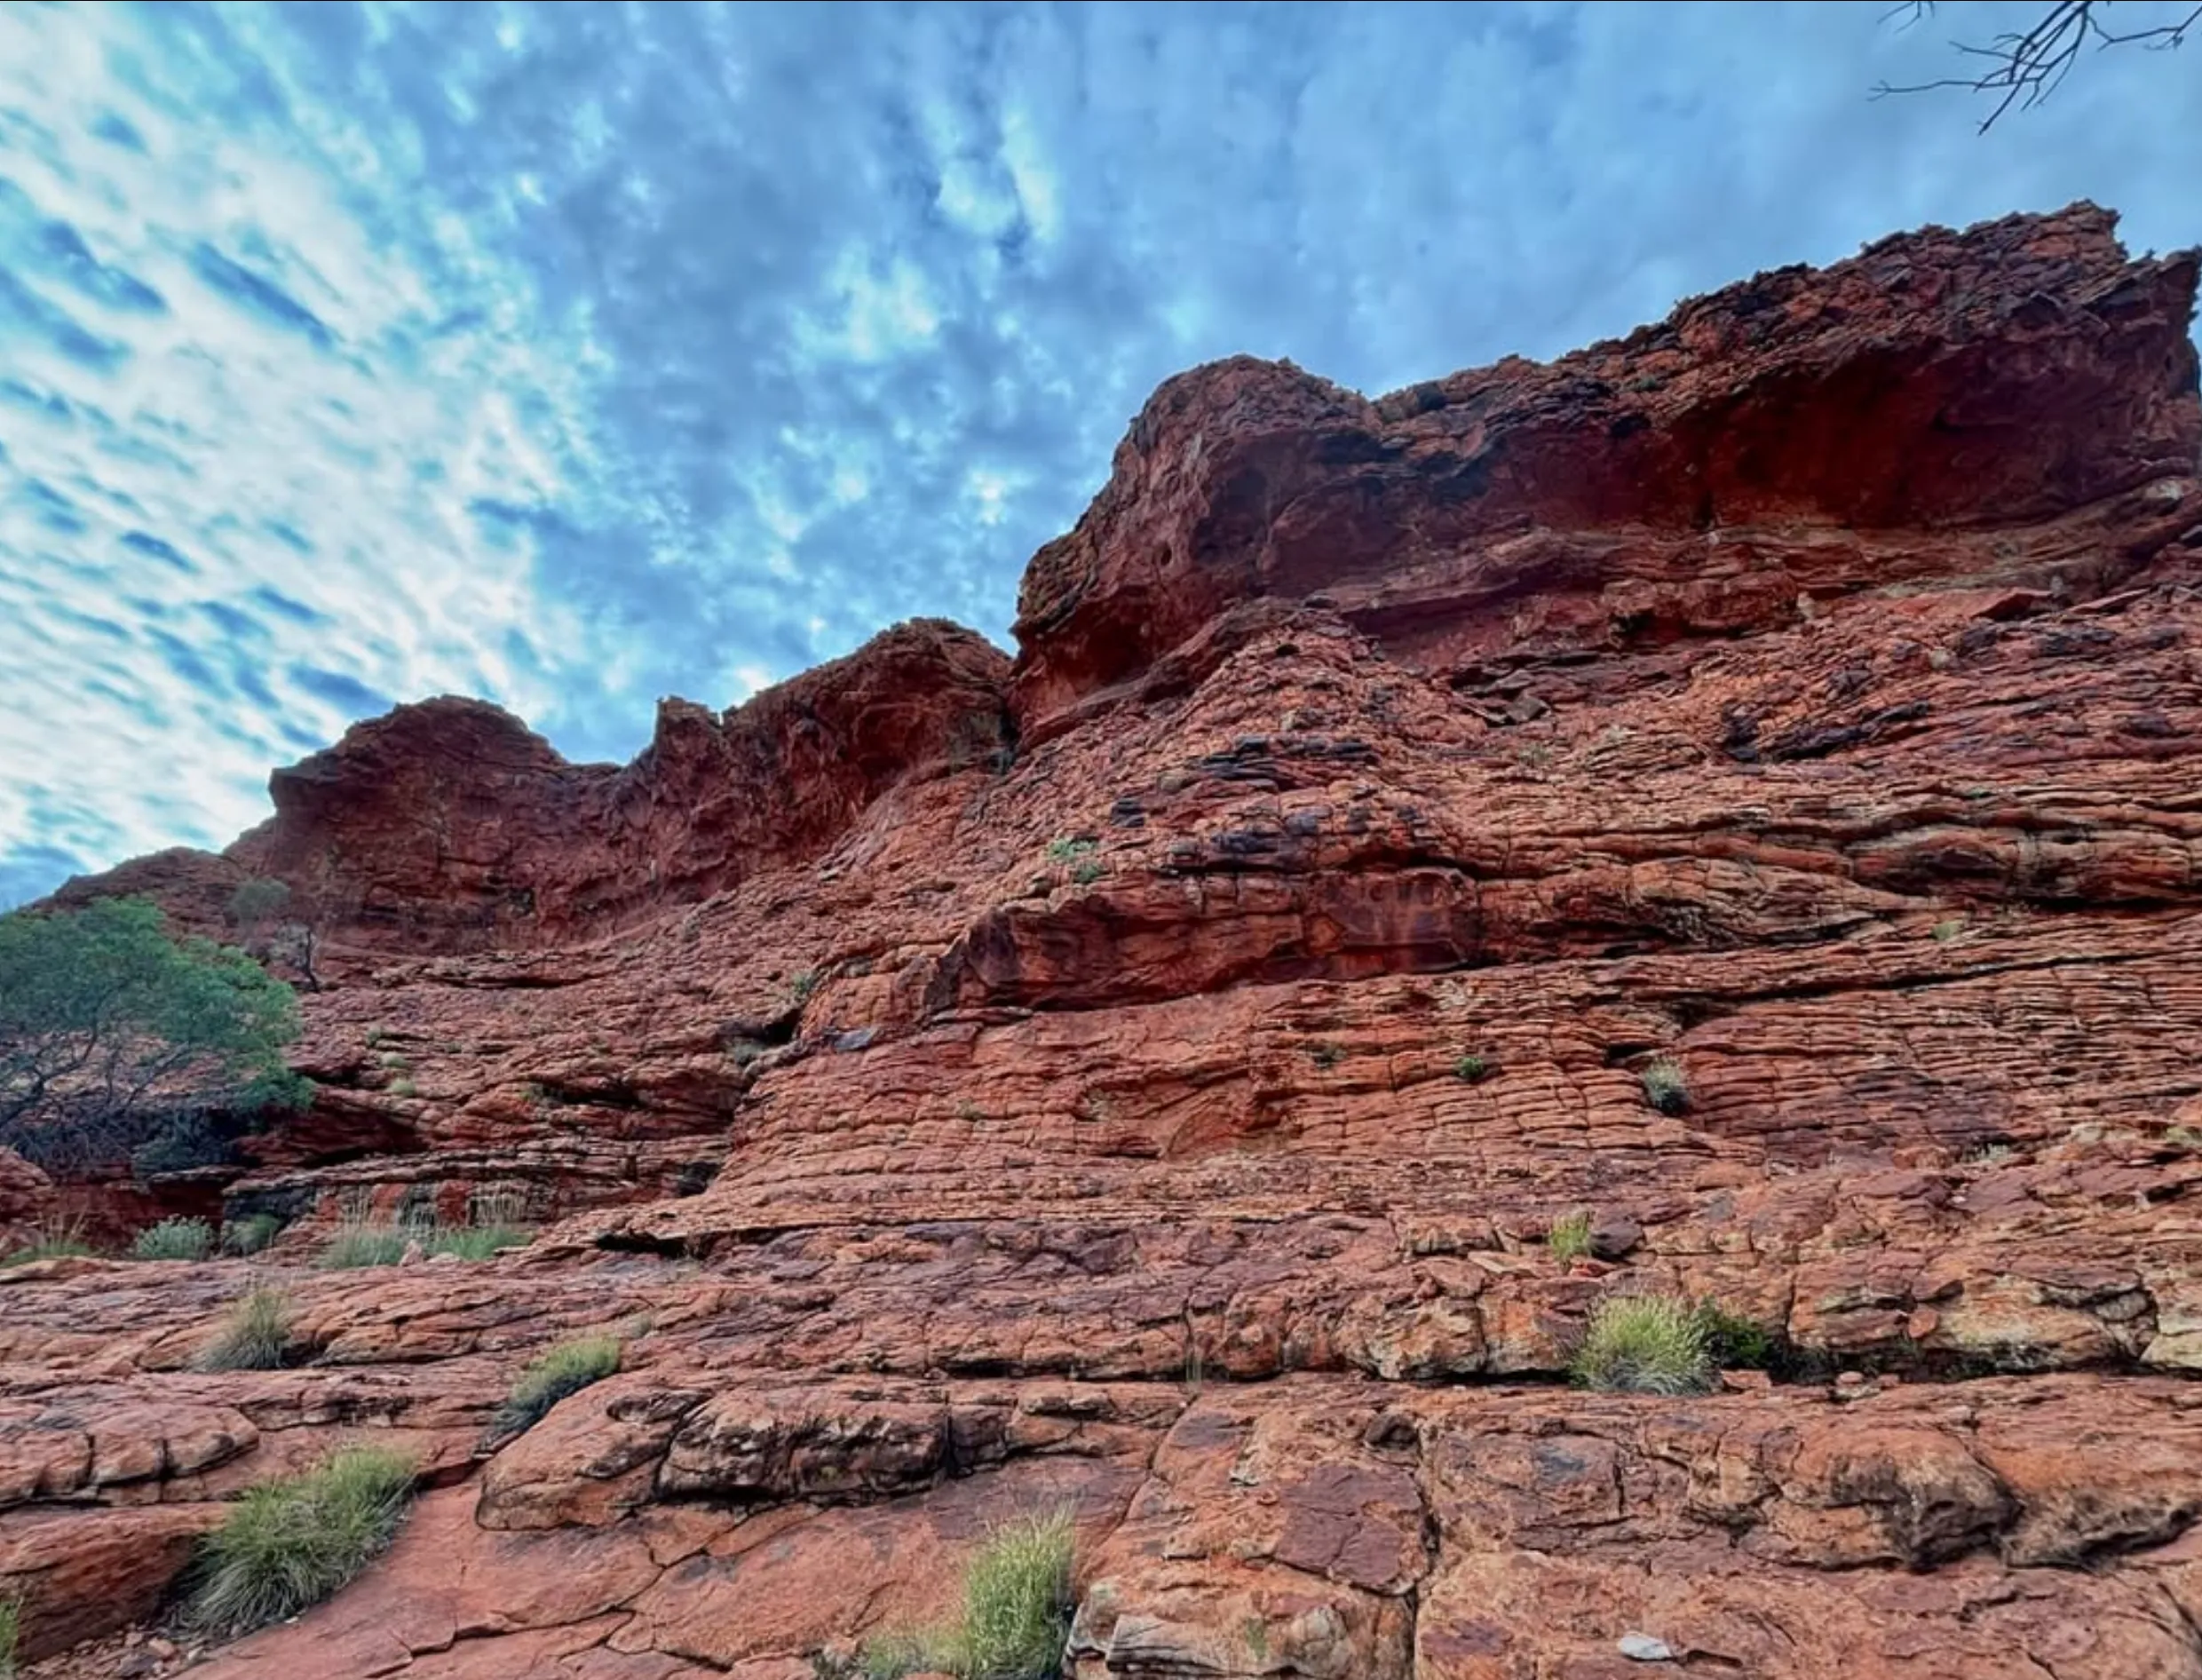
(1739, 786)
(26, 1199)
(449, 826)
(1803, 435)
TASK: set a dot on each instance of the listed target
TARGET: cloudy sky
(576, 354)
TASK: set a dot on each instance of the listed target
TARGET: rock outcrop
(26, 1200)
(450, 827)
(1741, 784)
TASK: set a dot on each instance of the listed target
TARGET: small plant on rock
(566, 1369)
(892, 1656)
(1015, 1617)
(1471, 1068)
(1569, 1240)
(11, 1630)
(359, 1245)
(1664, 1087)
(56, 1240)
(1645, 1345)
(250, 1233)
(494, 1223)
(174, 1240)
(289, 1543)
(1734, 1342)
(1016, 1601)
(1327, 1054)
(256, 1335)
(493, 1226)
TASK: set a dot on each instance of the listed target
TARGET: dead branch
(2029, 66)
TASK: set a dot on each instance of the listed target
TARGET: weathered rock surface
(1143, 1079)
(1804, 435)
(26, 1199)
(450, 827)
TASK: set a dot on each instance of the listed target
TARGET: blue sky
(576, 354)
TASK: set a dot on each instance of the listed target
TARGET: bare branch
(2030, 66)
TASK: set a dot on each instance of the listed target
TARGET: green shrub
(250, 1233)
(10, 1629)
(1471, 1068)
(174, 1240)
(1086, 871)
(256, 1335)
(1735, 1343)
(566, 1369)
(1067, 849)
(289, 1543)
(1664, 1087)
(1569, 1238)
(1015, 1617)
(1645, 1345)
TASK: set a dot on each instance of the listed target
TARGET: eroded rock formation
(1143, 1077)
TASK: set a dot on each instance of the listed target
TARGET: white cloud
(257, 512)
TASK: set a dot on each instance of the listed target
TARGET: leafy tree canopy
(105, 1017)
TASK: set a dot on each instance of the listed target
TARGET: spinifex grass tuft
(255, 1336)
(1015, 1618)
(289, 1544)
(566, 1369)
(1645, 1345)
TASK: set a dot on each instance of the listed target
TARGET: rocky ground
(1141, 1076)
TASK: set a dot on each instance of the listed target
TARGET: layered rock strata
(1143, 1076)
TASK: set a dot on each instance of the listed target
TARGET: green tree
(108, 1024)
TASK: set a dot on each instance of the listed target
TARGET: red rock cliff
(448, 826)
(1941, 405)
(1732, 797)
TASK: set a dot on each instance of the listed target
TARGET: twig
(2031, 66)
